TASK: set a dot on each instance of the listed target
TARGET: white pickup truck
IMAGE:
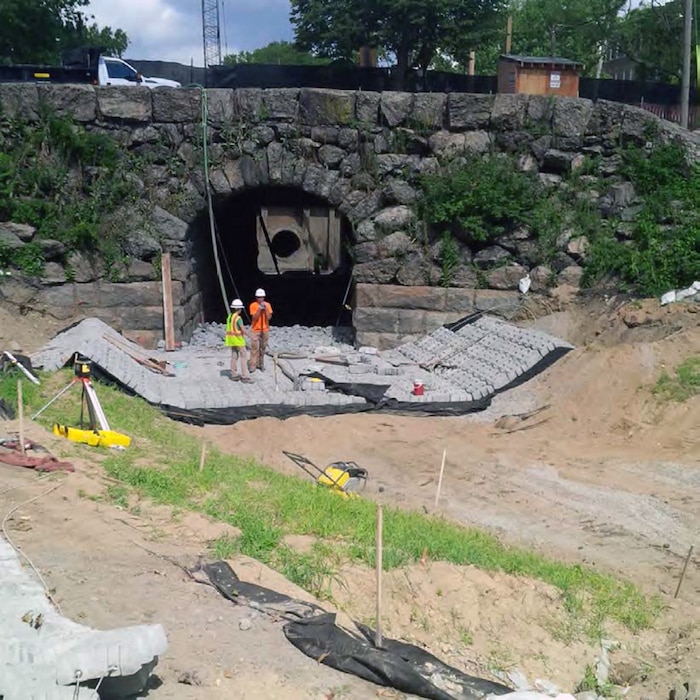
(115, 71)
(85, 66)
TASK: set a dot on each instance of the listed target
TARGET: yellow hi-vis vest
(234, 331)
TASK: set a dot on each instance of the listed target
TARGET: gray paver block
(484, 355)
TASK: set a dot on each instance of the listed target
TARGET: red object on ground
(46, 463)
(418, 388)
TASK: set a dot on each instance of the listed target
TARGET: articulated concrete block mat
(45, 656)
(457, 365)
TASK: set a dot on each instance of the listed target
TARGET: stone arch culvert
(359, 155)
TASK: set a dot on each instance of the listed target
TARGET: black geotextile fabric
(225, 580)
(314, 632)
(373, 394)
(396, 665)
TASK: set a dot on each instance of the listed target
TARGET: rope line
(210, 203)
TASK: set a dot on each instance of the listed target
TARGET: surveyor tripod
(95, 430)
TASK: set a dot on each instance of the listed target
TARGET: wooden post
(685, 568)
(202, 457)
(472, 62)
(509, 33)
(168, 322)
(20, 415)
(379, 558)
(442, 471)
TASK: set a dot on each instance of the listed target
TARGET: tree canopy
(36, 31)
(575, 29)
(410, 33)
(650, 34)
(278, 52)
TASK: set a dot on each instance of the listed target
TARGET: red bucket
(418, 388)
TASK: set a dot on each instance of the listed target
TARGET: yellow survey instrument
(94, 431)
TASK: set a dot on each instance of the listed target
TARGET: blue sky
(171, 30)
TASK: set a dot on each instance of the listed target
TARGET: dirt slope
(606, 474)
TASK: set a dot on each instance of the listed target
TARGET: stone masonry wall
(362, 152)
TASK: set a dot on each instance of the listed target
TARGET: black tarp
(315, 633)
(373, 394)
(405, 667)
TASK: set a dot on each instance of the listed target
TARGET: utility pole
(685, 82)
(509, 33)
(553, 39)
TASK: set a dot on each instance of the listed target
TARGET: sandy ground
(103, 564)
(606, 475)
(603, 474)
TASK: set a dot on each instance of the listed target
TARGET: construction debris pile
(315, 371)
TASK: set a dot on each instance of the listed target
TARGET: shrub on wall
(61, 179)
(663, 251)
(478, 199)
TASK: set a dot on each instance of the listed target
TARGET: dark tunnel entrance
(293, 245)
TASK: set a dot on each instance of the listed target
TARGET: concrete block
(393, 296)
(66, 647)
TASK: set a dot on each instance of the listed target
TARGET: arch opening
(292, 244)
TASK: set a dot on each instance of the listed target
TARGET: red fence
(672, 113)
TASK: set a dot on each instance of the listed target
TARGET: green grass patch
(684, 383)
(163, 465)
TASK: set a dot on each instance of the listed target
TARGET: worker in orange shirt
(260, 314)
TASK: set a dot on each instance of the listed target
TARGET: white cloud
(171, 30)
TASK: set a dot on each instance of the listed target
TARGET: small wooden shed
(533, 75)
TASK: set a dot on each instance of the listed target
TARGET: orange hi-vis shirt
(262, 324)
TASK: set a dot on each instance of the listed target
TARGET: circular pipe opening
(285, 243)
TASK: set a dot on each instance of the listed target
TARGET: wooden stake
(20, 415)
(509, 33)
(379, 558)
(685, 568)
(202, 457)
(472, 63)
(442, 471)
(168, 322)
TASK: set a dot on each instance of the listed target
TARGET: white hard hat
(259, 292)
(236, 304)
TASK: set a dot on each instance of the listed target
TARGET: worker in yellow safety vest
(235, 339)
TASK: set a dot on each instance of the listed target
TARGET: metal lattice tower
(211, 33)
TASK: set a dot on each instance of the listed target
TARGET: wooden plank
(168, 303)
(159, 366)
(20, 415)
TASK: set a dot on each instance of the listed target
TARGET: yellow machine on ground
(345, 478)
(95, 431)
